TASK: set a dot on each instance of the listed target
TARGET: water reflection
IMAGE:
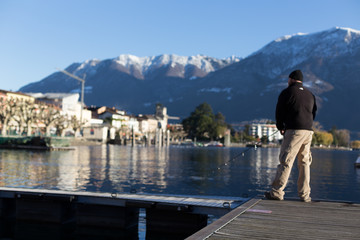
(175, 170)
(358, 175)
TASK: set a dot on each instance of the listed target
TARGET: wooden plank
(267, 219)
(210, 229)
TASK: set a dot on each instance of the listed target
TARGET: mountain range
(241, 89)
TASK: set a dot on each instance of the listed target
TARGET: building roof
(52, 95)
(146, 117)
(17, 93)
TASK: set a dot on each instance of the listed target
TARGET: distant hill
(242, 89)
(132, 83)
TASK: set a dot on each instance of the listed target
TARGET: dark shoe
(269, 197)
(306, 199)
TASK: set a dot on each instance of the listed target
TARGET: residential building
(16, 95)
(67, 102)
(114, 117)
(148, 123)
(3, 94)
(96, 133)
(161, 116)
(259, 130)
(139, 124)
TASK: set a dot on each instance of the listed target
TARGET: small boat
(253, 145)
(188, 143)
(214, 144)
(35, 143)
(357, 162)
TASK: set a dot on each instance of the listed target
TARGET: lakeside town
(92, 182)
(63, 115)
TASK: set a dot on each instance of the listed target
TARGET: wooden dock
(214, 205)
(289, 219)
(178, 215)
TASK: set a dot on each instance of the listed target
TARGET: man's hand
(282, 132)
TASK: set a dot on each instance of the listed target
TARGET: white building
(148, 123)
(126, 126)
(141, 124)
(117, 118)
(96, 133)
(162, 117)
(133, 124)
(67, 102)
(259, 130)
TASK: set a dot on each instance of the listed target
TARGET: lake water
(241, 172)
(175, 170)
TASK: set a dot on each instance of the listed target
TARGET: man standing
(295, 112)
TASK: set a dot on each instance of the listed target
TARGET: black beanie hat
(297, 75)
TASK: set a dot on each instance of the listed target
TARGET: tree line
(334, 137)
(27, 116)
(203, 124)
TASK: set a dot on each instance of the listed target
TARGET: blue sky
(38, 36)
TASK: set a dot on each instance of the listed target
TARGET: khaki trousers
(296, 143)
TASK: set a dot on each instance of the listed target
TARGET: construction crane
(82, 90)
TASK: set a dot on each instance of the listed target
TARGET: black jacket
(296, 108)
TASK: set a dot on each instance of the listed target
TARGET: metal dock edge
(221, 222)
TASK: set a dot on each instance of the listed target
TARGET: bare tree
(75, 124)
(61, 123)
(7, 112)
(343, 137)
(48, 116)
(26, 115)
(317, 127)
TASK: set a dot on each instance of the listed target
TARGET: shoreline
(84, 142)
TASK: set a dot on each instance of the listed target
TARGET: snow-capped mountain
(143, 67)
(330, 61)
(130, 82)
(242, 89)
(297, 48)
